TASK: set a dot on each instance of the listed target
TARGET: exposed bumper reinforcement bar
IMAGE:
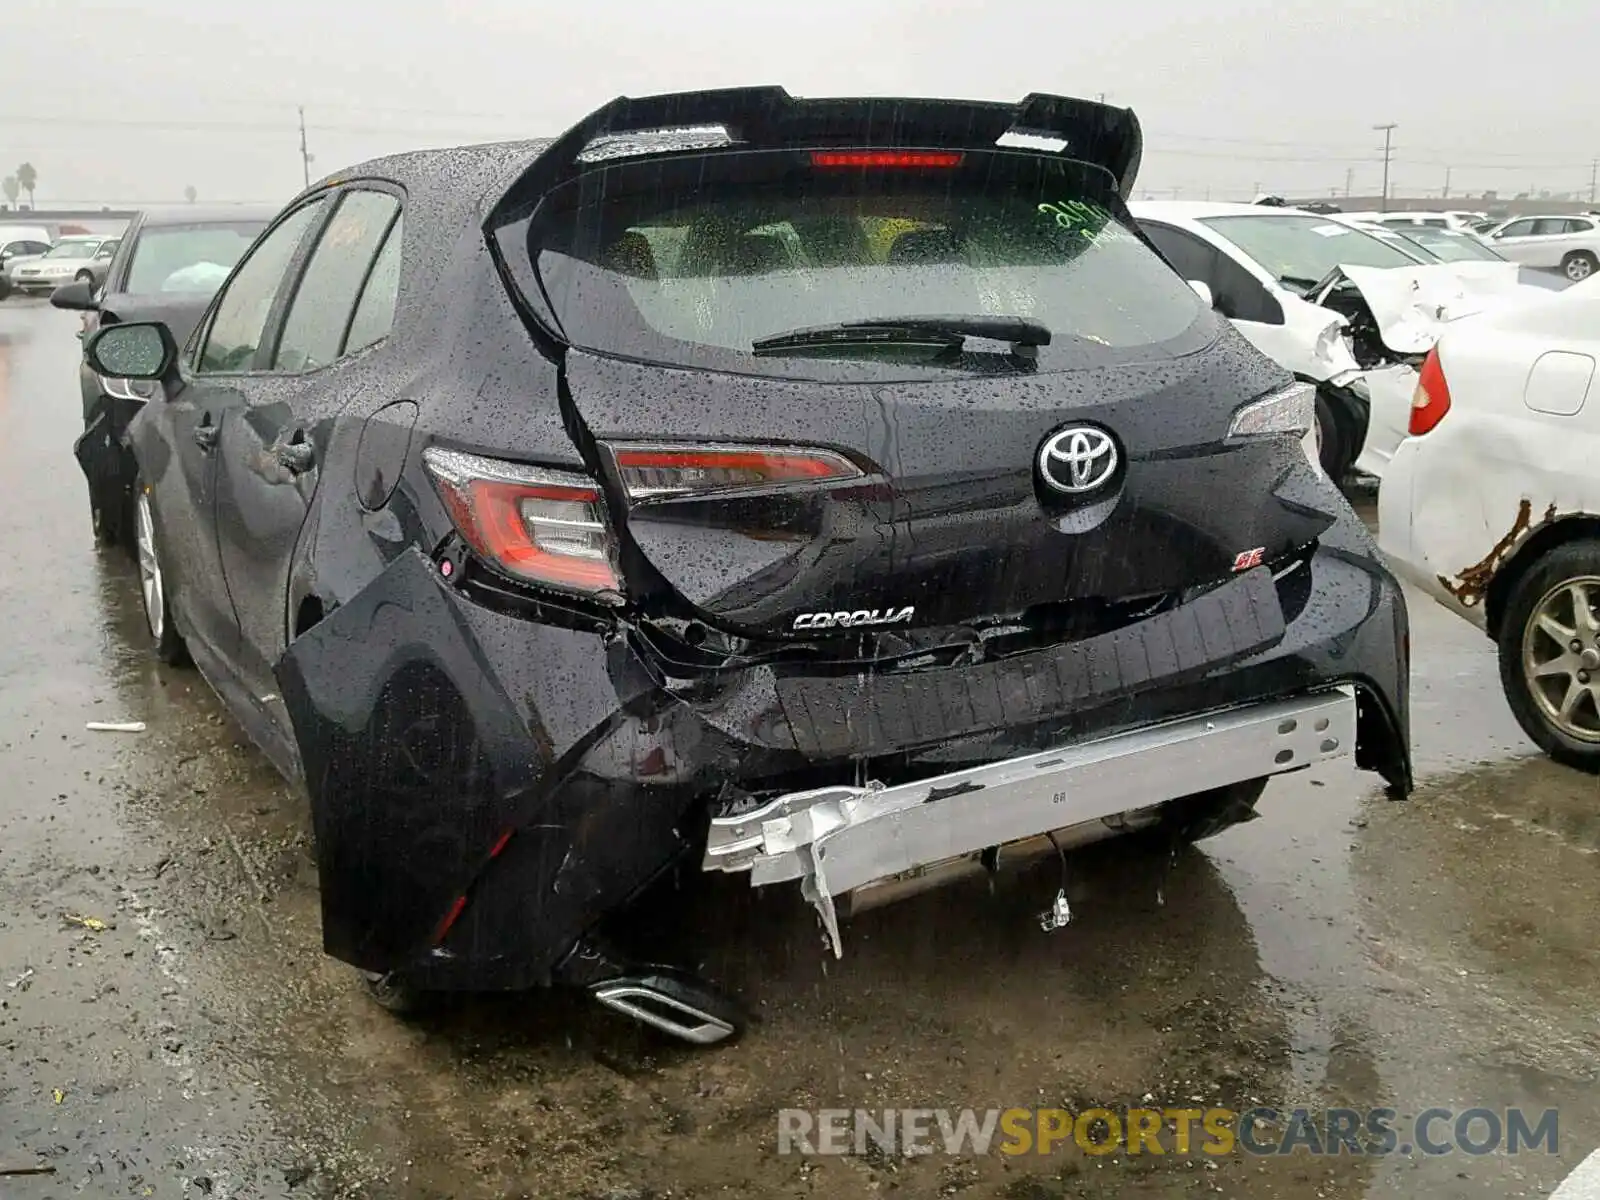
(837, 839)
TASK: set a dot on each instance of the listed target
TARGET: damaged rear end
(912, 509)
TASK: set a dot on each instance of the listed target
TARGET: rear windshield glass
(188, 258)
(1303, 249)
(693, 260)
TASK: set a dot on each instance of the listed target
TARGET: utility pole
(1388, 151)
(1349, 181)
(306, 156)
(1594, 178)
(1446, 194)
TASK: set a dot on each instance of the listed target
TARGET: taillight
(885, 159)
(1431, 400)
(651, 472)
(548, 527)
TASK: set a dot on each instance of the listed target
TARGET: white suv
(1571, 243)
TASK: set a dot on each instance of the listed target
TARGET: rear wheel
(1579, 265)
(1550, 654)
(1206, 814)
(1333, 440)
(164, 636)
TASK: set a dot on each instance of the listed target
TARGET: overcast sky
(123, 101)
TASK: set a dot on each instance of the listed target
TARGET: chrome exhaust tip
(684, 1008)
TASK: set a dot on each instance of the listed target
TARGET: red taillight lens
(545, 526)
(1431, 400)
(885, 159)
(651, 472)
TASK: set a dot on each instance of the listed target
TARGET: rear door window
(692, 260)
(314, 331)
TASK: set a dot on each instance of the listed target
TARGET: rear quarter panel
(1460, 500)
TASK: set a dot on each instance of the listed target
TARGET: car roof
(1200, 210)
(203, 214)
(449, 179)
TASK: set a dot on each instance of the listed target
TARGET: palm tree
(28, 178)
(12, 188)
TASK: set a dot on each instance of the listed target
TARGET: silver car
(82, 257)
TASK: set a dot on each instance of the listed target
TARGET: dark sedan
(833, 492)
(167, 268)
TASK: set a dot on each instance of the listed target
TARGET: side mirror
(1203, 290)
(78, 296)
(132, 350)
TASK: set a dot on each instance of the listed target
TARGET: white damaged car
(1349, 309)
(1492, 504)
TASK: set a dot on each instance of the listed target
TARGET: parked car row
(41, 268)
(1568, 243)
(751, 484)
(1487, 500)
(1347, 308)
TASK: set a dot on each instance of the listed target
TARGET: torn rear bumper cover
(835, 840)
(487, 788)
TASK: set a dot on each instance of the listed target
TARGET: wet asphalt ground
(1342, 950)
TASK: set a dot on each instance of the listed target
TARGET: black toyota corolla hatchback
(840, 492)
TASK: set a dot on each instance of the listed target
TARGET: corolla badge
(1078, 459)
(852, 620)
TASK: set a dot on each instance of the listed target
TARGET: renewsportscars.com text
(1133, 1131)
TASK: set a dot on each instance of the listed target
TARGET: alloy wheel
(1579, 269)
(150, 581)
(1561, 657)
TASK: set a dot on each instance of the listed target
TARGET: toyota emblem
(1078, 459)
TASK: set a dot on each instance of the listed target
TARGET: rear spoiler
(769, 118)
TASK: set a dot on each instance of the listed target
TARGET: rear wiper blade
(948, 330)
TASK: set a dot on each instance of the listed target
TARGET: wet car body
(131, 291)
(497, 768)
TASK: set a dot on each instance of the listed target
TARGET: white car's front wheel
(1550, 653)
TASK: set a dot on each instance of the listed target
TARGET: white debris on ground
(1582, 1184)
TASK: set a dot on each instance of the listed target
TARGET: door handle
(205, 435)
(296, 457)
